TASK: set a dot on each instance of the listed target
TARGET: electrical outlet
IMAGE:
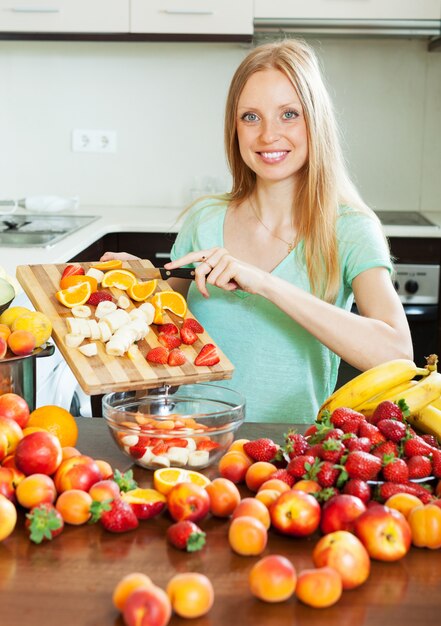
(94, 141)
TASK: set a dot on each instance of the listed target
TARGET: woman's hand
(217, 267)
(121, 256)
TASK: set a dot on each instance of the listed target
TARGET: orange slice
(75, 295)
(122, 279)
(141, 291)
(171, 300)
(113, 264)
(69, 281)
(165, 478)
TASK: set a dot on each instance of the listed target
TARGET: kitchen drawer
(153, 246)
(65, 16)
(216, 17)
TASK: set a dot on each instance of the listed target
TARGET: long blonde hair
(324, 183)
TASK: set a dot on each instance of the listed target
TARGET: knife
(150, 273)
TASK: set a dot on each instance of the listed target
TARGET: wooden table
(69, 581)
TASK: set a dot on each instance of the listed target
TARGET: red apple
(147, 606)
(295, 513)
(339, 513)
(15, 407)
(188, 501)
(344, 552)
(384, 532)
(38, 453)
(7, 485)
(12, 431)
(77, 472)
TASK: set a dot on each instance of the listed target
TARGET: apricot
(21, 342)
(234, 465)
(127, 584)
(267, 496)
(252, 507)
(66, 451)
(191, 594)
(238, 445)
(273, 578)
(35, 489)
(105, 468)
(274, 483)
(5, 331)
(104, 490)
(74, 506)
(309, 486)
(8, 517)
(258, 473)
(319, 587)
(247, 536)
(345, 553)
(403, 502)
(224, 497)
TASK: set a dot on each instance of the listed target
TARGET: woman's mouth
(273, 157)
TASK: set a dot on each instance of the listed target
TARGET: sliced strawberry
(188, 336)
(207, 444)
(176, 357)
(177, 442)
(194, 325)
(99, 296)
(168, 329)
(158, 355)
(169, 341)
(159, 448)
(72, 270)
(138, 450)
(207, 356)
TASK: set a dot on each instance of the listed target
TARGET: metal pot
(18, 374)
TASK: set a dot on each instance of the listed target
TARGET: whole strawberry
(395, 470)
(436, 463)
(295, 444)
(415, 446)
(431, 440)
(362, 465)
(371, 432)
(392, 429)
(359, 488)
(263, 449)
(283, 474)
(358, 443)
(419, 466)
(390, 410)
(116, 516)
(300, 465)
(186, 535)
(44, 522)
(386, 448)
(332, 450)
(347, 419)
(327, 474)
(386, 490)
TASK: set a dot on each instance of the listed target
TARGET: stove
(403, 218)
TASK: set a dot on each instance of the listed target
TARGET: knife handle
(179, 272)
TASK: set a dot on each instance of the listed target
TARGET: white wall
(166, 100)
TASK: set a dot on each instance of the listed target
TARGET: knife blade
(150, 273)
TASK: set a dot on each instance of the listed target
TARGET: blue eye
(250, 117)
(290, 115)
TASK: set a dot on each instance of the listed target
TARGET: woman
(280, 258)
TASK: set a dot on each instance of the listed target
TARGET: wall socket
(103, 141)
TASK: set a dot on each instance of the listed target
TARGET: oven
(417, 259)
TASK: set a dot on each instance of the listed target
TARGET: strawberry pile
(344, 452)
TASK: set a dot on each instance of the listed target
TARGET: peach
(346, 554)
(258, 473)
(12, 431)
(319, 587)
(7, 484)
(22, 342)
(254, 508)
(224, 497)
(273, 578)
(3, 347)
(38, 452)
(127, 584)
(247, 536)
(267, 496)
(188, 501)
(275, 483)
(36, 489)
(403, 502)
(234, 465)
(74, 506)
(15, 407)
(147, 606)
(8, 517)
(104, 490)
(191, 594)
(77, 472)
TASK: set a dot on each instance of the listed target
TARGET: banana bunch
(394, 380)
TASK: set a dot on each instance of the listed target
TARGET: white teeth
(273, 155)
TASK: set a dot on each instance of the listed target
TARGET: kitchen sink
(43, 231)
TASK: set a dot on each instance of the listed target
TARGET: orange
(75, 295)
(113, 264)
(191, 594)
(172, 301)
(122, 279)
(69, 281)
(165, 478)
(57, 421)
(141, 291)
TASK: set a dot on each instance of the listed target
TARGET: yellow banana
(428, 420)
(368, 407)
(423, 393)
(437, 403)
(372, 382)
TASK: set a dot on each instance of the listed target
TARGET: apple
(147, 606)
(295, 513)
(188, 501)
(339, 513)
(38, 453)
(12, 431)
(344, 552)
(384, 532)
(77, 472)
(15, 407)
(7, 485)
(4, 445)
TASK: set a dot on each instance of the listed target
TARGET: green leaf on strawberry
(125, 481)
(97, 509)
(44, 522)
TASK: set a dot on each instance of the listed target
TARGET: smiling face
(271, 128)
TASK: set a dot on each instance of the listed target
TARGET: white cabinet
(200, 17)
(64, 16)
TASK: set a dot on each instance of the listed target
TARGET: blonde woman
(280, 258)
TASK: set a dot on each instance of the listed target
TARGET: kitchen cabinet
(192, 16)
(64, 16)
(153, 246)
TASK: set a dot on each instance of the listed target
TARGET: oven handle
(420, 313)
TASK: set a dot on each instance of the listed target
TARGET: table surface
(70, 580)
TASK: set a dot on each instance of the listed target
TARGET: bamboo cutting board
(103, 373)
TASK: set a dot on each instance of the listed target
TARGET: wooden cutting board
(103, 373)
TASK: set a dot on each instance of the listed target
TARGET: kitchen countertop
(70, 580)
(144, 219)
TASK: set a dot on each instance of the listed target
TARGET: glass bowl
(190, 426)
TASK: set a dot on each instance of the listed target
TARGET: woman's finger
(191, 257)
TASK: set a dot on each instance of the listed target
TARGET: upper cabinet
(358, 16)
(193, 17)
(65, 16)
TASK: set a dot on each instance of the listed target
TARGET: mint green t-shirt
(283, 371)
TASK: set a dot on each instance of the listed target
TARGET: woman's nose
(270, 131)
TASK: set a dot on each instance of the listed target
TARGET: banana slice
(149, 310)
(104, 308)
(138, 314)
(81, 311)
(178, 456)
(74, 325)
(198, 458)
(116, 319)
(159, 460)
(97, 274)
(94, 329)
(105, 332)
(73, 341)
(123, 302)
(90, 349)
(133, 352)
